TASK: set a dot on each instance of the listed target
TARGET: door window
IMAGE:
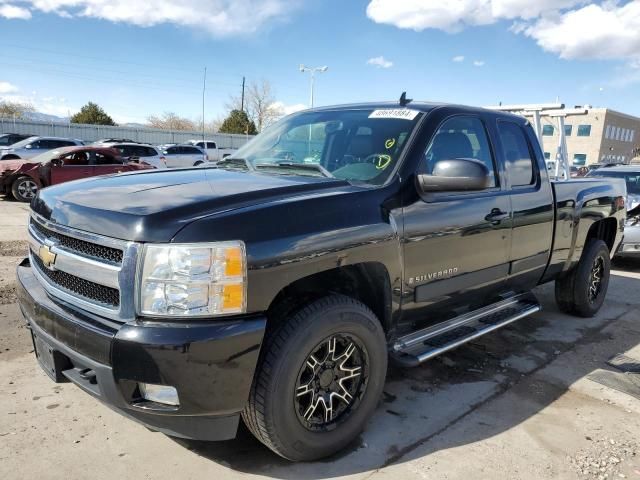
(515, 147)
(461, 137)
(104, 159)
(75, 159)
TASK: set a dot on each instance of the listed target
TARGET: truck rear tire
(319, 379)
(582, 292)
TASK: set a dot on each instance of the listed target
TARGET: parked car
(214, 153)
(23, 178)
(631, 174)
(146, 153)
(32, 146)
(276, 289)
(7, 139)
(184, 156)
(103, 141)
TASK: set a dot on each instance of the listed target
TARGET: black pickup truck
(275, 286)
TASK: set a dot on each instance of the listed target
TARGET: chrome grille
(99, 252)
(91, 291)
(93, 272)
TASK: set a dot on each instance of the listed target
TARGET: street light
(313, 71)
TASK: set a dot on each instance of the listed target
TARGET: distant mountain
(45, 117)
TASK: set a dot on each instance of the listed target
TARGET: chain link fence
(91, 133)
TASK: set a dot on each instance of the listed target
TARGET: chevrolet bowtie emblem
(47, 256)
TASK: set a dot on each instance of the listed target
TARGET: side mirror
(28, 147)
(56, 162)
(460, 174)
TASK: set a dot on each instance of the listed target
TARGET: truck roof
(421, 106)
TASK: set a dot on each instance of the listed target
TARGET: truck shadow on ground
(420, 404)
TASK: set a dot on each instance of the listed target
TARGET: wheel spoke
(313, 363)
(330, 381)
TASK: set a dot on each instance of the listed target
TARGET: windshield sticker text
(401, 113)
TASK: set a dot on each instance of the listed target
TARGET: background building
(601, 135)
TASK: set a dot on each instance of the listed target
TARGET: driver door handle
(496, 216)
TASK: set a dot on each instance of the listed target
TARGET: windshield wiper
(235, 163)
(297, 166)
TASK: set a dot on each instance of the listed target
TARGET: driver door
(71, 167)
(456, 244)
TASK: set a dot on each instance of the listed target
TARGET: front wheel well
(10, 157)
(368, 283)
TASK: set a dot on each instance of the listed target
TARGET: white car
(214, 153)
(146, 153)
(184, 156)
(33, 146)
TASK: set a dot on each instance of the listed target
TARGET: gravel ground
(516, 404)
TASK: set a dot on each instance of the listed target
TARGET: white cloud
(528, 9)
(289, 109)
(458, 58)
(419, 15)
(380, 62)
(50, 105)
(6, 87)
(608, 31)
(13, 12)
(478, 63)
(572, 29)
(217, 17)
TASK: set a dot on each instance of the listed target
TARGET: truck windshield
(354, 145)
(632, 179)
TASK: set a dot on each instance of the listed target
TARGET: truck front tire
(319, 379)
(583, 290)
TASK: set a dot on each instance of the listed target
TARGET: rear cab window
(518, 156)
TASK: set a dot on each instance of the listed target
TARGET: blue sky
(61, 58)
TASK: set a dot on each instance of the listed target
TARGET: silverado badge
(47, 256)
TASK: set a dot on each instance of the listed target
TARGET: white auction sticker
(401, 113)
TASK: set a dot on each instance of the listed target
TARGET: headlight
(193, 280)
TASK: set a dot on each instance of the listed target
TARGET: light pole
(313, 71)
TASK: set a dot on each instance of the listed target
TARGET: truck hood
(153, 206)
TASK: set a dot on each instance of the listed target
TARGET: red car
(23, 178)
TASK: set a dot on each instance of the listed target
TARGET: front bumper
(210, 363)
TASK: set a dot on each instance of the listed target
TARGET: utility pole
(204, 89)
(242, 98)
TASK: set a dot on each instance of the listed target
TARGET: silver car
(145, 152)
(631, 173)
(184, 156)
(33, 146)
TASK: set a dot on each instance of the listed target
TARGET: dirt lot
(521, 403)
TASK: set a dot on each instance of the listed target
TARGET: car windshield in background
(23, 143)
(632, 179)
(46, 156)
(354, 145)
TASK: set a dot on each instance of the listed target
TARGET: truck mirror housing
(460, 174)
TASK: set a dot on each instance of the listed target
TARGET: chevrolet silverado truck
(275, 287)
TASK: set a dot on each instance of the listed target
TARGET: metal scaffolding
(553, 110)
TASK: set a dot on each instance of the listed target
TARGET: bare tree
(259, 104)
(171, 121)
(11, 109)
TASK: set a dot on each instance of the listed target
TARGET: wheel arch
(367, 282)
(604, 230)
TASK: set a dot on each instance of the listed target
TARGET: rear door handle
(496, 216)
